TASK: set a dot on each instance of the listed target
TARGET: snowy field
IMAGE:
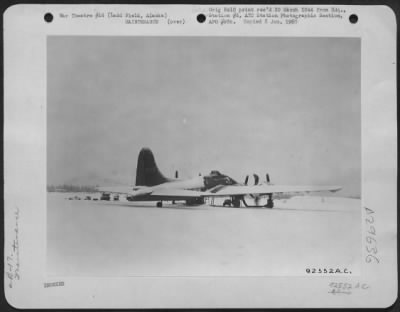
(120, 238)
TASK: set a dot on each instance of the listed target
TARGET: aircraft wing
(264, 189)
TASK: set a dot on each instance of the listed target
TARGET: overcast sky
(287, 106)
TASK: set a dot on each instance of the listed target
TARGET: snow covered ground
(99, 238)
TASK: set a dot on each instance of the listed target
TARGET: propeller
(256, 179)
(246, 180)
(176, 174)
(267, 178)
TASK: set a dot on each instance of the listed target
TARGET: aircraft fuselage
(200, 183)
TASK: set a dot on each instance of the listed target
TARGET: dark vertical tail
(147, 173)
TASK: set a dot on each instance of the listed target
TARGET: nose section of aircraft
(215, 178)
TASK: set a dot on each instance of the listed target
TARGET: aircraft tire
(270, 204)
(236, 203)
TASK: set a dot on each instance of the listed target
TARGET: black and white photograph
(184, 156)
(200, 156)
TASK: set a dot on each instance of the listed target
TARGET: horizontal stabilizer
(115, 189)
(126, 190)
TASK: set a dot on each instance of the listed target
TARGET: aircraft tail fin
(147, 172)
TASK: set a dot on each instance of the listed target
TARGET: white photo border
(25, 35)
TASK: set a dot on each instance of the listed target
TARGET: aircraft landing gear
(270, 202)
(159, 204)
(236, 202)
